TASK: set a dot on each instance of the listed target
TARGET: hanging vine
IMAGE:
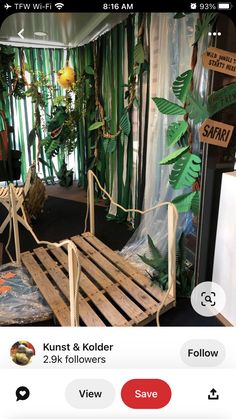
(130, 95)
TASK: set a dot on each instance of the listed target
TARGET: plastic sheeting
(20, 301)
(170, 55)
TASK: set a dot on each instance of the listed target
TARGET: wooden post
(1, 253)
(172, 250)
(91, 202)
(13, 215)
(72, 279)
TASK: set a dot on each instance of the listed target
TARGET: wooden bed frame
(86, 283)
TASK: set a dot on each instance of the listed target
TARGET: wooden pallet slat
(126, 266)
(111, 290)
(86, 313)
(134, 290)
(89, 317)
(53, 269)
(114, 317)
(51, 295)
(119, 297)
(60, 255)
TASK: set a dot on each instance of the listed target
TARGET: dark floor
(64, 218)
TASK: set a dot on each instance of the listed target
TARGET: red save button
(146, 393)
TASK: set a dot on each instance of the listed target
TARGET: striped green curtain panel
(119, 162)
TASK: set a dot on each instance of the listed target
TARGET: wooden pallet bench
(112, 292)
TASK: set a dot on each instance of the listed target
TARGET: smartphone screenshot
(117, 210)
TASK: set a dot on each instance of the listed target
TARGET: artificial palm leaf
(196, 107)
(175, 131)
(183, 202)
(196, 203)
(89, 70)
(111, 146)
(95, 125)
(139, 53)
(153, 249)
(125, 123)
(181, 85)
(51, 147)
(99, 165)
(150, 262)
(180, 15)
(43, 162)
(167, 107)
(32, 136)
(221, 99)
(171, 158)
(185, 171)
(202, 25)
(136, 102)
(157, 261)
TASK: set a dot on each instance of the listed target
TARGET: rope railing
(74, 266)
(172, 218)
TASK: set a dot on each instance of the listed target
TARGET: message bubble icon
(22, 393)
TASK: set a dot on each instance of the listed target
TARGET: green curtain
(20, 112)
(114, 59)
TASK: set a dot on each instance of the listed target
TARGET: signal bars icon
(59, 5)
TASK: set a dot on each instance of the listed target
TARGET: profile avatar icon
(22, 352)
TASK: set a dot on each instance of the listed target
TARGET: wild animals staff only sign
(216, 133)
(219, 60)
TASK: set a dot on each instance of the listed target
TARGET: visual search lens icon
(208, 299)
(22, 393)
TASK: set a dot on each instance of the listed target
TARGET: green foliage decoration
(185, 171)
(125, 123)
(159, 262)
(32, 136)
(139, 65)
(181, 85)
(173, 157)
(167, 107)
(89, 70)
(95, 125)
(221, 99)
(7, 57)
(196, 203)
(65, 176)
(202, 26)
(196, 107)
(175, 131)
(183, 202)
(139, 53)
(112, 144)
(180, 15)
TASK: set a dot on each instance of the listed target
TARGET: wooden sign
(216, 133)
(220, 60)
(221, 99)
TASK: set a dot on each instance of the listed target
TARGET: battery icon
(224, 6)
